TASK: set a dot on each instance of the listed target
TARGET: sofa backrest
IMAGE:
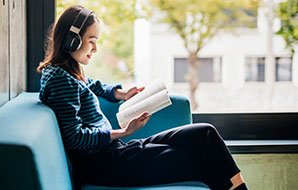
(177, 114)
(31, 146)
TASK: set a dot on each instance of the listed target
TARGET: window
(255, 69)
(283, 69)
(209, 69)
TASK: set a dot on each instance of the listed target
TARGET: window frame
(252, 126)
(40, 15)
(255, 133)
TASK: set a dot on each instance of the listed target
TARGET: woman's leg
(139, 164)
(204, 142)
(192, 152)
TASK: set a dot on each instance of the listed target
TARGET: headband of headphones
(73, 39)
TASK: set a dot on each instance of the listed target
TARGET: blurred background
(225, 56)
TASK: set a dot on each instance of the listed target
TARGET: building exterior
(232, 67)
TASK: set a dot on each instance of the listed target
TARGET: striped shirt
(82, 124)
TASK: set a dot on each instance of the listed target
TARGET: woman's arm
(118, 133)
(103, 90)
(112, 93)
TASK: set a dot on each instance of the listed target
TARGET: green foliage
(116, 38)
(198, 21)
(288, 13)
(122, 43)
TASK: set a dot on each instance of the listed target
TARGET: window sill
(262, 146)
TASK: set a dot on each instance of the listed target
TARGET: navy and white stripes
(75, 103)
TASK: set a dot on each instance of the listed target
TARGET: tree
(197, 22)
(288, 13)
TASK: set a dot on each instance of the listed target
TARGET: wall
(12, 49)
(269, 171)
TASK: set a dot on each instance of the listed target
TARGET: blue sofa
(32, 155)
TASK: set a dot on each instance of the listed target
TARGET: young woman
(192, 152)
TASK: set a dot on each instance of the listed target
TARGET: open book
(152, 99)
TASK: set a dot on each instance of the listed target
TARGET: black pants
(190, 152)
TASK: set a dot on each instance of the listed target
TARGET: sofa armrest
(29, 130)
(177, 114)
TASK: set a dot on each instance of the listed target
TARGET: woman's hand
(133, 91)
(137, 123)
(132, 126)
(125, 95)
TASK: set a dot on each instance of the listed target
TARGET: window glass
(209, 69)
(233, 42)
(255, 69)
(283, 69)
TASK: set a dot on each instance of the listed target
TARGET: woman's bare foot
(236, 180)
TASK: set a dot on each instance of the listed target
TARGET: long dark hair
(54, 44)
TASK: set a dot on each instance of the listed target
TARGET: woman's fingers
(146, 119)
(141, 89)
(139, 118)
(143, 116)
(133, 91)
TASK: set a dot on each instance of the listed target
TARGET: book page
(153, 88)
(152, 104)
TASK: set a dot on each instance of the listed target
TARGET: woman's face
(88, 47)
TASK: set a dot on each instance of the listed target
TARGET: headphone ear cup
(76, 43)
(72, 42)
